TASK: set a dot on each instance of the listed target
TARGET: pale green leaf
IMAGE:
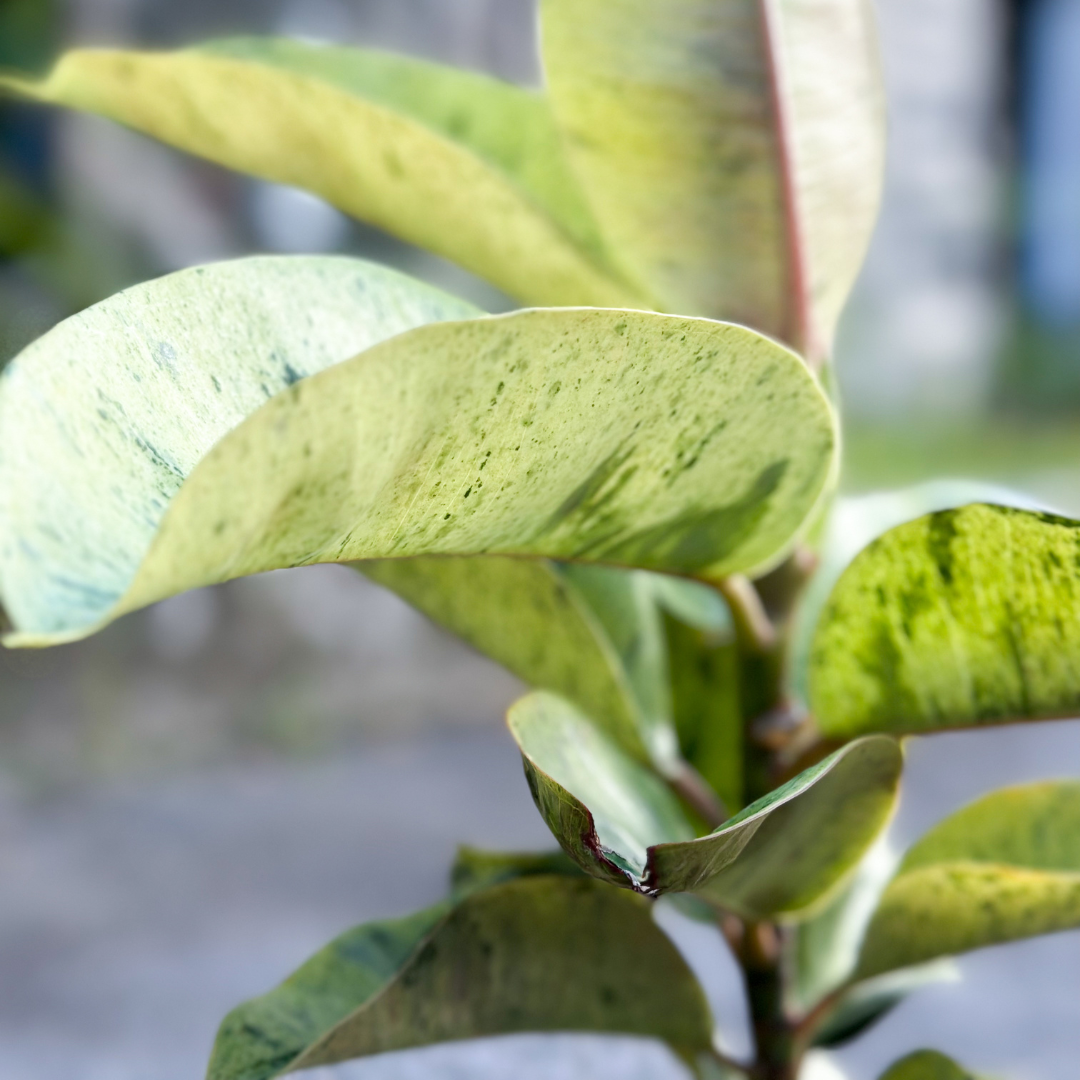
(540, 433)
(779, 855)
(733, 150)
(1005, 867)
(460, 164)
(590, 633)
(538, 954)
(865, 1003)
(824, 950)
(927, 1065)
(962, 617)
(509, 128)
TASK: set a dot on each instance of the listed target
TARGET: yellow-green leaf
(779, 855)
(926, 1065)
(1005, 867)
(854, 522)
(590, 633)
(962, 617)
(732, 149)
(542, 953)
(629, 438)
(460, 164)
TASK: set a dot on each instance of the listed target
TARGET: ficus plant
(624, 493)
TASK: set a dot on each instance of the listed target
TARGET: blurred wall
(927, 322)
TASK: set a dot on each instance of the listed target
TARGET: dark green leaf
(538, 954)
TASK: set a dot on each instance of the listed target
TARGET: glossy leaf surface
(538, 954)
(540, 433)
(927, 1065)
(460, 164)
(779, 855)
(733, 150)
(962, 617)
(1005, 867)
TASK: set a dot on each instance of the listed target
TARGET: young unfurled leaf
(618, 822)
(547, 953)
(601, 436)
(962, 617)
(1005, 867)
(927, 1065)
(461, 164)
(732, 170)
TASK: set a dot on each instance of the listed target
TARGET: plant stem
(778, 1051)
(762, 617)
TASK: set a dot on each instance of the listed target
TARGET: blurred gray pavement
(133, 917)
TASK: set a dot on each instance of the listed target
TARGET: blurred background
(199, 797)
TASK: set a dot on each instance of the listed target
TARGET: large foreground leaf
(779, 855)
(1005, 867)
(601, 436)
(538, 954)
(961, 617)
(461, 164)
(733, 149)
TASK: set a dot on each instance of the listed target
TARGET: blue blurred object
(1050, 117)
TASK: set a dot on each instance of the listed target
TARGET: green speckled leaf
(1005, 867)
(733, 150)
(461, 164)
(962, 617)
(540, 433)
(854, 522)
(538, 954)
(927, 1065)
(779, 855)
